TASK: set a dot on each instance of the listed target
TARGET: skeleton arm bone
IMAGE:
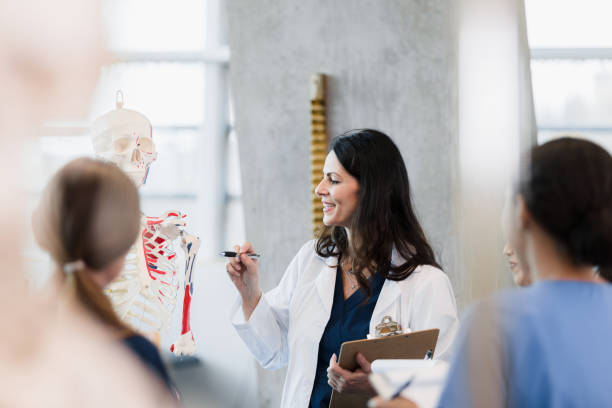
(186, 342)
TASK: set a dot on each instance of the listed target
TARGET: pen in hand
(232, 254)
(397, 393)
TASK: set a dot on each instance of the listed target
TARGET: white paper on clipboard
(426, 380)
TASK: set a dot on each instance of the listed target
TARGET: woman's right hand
(244, 273)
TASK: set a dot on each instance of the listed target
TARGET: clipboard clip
(387, 327)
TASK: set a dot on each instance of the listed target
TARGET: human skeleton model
(144, 295)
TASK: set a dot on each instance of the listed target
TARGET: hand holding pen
(243, 270)
(396, 401)
(232, 254)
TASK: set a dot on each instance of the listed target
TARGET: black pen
(232, 254)
(402, 388)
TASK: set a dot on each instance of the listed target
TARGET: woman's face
(515, 242)
(521, 278)
(339, 192)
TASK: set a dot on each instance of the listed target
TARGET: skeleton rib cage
(144, 295)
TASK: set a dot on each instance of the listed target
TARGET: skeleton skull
(124, 137)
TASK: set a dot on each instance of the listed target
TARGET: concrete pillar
(496, 125)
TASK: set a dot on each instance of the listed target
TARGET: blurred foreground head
(50, 56)
(87, 220)
(566, 191)
(89, 212)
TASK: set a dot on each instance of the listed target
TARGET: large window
(571, 51)
(170, 62)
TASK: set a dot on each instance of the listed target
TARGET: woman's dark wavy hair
(567, 188)
(384, 217)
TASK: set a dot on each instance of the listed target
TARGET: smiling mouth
(328, 207)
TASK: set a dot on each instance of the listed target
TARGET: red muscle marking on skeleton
(154, 220)
(186, 308)
(155, 244)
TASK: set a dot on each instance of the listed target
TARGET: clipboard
(409, 346)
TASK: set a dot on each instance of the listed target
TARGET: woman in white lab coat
(371, 260)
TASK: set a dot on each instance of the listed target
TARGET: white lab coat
(286, 326)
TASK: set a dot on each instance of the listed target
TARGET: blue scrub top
(555, 340)
(149, 355)
(349, 320)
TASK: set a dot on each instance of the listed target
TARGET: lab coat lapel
(325, 283)
(389, 293)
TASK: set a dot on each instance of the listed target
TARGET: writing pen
(402, 388)
(428, 356)
(232, 254)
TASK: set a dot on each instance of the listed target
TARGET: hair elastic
(71, 267)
